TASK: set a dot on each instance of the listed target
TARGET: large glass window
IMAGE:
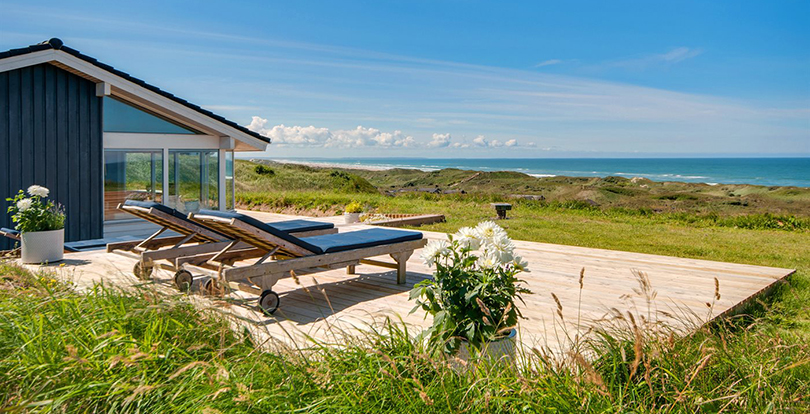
(193, 180)
(131, 175)
(123, 117)
(229, 182)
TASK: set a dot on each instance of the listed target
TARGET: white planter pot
(351, 217)
(43, 246)
(495, 350)
(498, 351)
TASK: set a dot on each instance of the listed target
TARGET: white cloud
(679, 54)
(548, 63)
(282, 135)
(440, 141)
(481, 141)
(676, 55)
(360, 137)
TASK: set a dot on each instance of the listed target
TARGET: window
(193, 180)
(131, 175)
(229, 182)
(123, 117)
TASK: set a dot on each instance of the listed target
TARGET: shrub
(264, 170)
(354, 207)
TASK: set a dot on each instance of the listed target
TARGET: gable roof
(56, 44)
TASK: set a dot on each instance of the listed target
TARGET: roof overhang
(109, 83)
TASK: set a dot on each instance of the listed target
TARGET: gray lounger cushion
(339, 242)
(298, 226)
(287, 226)
(156, 206)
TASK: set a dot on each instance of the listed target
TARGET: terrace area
(680, 293)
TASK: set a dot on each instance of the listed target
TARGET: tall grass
(113, 350)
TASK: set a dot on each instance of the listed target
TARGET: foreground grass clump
(137, 351)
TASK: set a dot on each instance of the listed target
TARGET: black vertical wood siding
(50, 134)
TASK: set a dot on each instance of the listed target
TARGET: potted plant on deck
(41, 224)
(473, 291)
(352, 212)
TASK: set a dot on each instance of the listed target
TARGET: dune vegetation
(136, 350)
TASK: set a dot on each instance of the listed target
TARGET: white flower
(467, 237)
(488, 261)
(502, 247)
(519, 264)
(487, 231)
(38, 190)
(24, 204)
(434, 250)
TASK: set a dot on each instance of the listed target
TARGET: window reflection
(131, 175)
(193, 180)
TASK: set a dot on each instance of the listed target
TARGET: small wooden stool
(501, 209)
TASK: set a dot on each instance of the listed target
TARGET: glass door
(193, 180)
(131, 175)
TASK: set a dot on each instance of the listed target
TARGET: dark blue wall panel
(50, 134)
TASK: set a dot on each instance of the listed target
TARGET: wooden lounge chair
(301, 255)
(193, 239)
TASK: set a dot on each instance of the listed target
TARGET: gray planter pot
(43, 246)
(501, 351)
(351, 217)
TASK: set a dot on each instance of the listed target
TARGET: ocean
(759, 171)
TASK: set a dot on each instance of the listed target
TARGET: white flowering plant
(33, 212)
(474, 287)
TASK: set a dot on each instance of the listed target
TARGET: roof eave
(89, 68)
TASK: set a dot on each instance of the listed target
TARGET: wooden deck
(332, 303)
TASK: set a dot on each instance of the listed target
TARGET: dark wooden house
(95, 136)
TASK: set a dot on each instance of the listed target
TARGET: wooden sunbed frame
(260, 277)
(194, 239)
(10, 235)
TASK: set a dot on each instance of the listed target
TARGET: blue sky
(464, 78)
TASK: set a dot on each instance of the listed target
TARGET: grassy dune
(135, 351)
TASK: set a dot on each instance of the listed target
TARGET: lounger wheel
(142, 272)
(183, 280)
(213, 287)
(269, 301)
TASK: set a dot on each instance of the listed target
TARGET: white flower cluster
(496, 248)
(38, 191)
(434, 250)
(24, 204)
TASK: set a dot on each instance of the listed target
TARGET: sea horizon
(765, 171)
